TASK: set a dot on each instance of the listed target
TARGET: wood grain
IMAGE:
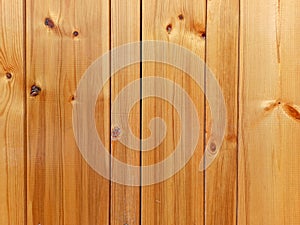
(222, 54)
(269, 104)
(125, 28)
(12, 110)
(178, 200)
(252, 48)
(62, 188)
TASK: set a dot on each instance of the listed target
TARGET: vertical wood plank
(178, 200)
(269, 143)
(125, 28)
(12, 110)
(62, 188)
(222, 60)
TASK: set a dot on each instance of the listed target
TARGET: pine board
(125, 29)
(178, 200)
(62, 188)
(269, 108)
(12, 111)
(222, 55)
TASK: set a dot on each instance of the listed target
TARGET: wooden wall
(252, 48)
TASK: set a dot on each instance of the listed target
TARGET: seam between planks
(141, 109)
(25, 111)
(110, 94)
(238, 115)
(205, 114)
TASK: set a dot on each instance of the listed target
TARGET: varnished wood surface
(269, 108)
(125, 28)
(62, 188)
(222, 57)
(178, 200)
(251, 47)
(12, 114)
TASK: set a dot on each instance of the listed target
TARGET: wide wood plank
(178, 200)
(63, 39)
(222, 54)
(269, 181)
(12, 111)
(125, 28)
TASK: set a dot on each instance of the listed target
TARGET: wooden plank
(12, 110)
(222, 60)
(178, 200)
(269, 143)
(62, 188)
(125, 28)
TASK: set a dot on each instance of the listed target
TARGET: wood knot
(35, 90)
(271, 106)
(291, 111)
(72, 98)
(169, 28)
(115, 133)
(199, 30)
(49, 23)
(75, 33)
(8, 75)
(181, 17)
(203, 35)
(213, 147)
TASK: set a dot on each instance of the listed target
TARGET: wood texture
(12, 130)
(252, 48)
(222, 52)
(62, 188)
(269, 107)
(125, 28)
(178, 200)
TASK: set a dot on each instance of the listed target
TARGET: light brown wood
(252, 48)
(125, 28)
(12, 105)
(222, 60)
(62, 188)
(178, 200)
(269, 183)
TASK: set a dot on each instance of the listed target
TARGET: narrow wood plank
(178, 200)
(125, 28)
(62, 188)
(269, 181)
(222, 60)
(12, 109)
